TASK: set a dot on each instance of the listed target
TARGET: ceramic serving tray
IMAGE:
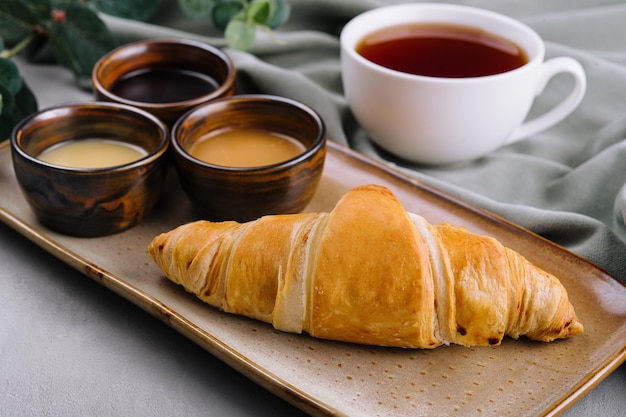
(330, 378)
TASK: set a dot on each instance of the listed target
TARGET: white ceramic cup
(432, 120)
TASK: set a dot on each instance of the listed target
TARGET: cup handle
(551, 68)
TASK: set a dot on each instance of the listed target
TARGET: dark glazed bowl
(82, 201)
(164, 54)
(243, 194)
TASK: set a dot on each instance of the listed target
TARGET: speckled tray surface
(328, 378)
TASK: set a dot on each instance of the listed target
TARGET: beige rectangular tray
(328, 378)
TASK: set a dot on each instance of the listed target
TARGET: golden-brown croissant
(368, 272)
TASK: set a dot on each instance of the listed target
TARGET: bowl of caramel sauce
(90, 169)
(245, 156)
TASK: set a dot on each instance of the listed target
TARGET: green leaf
(197, 9)
(240, 35)
(16, 20)
(24, 104)
(260, 11)
(8, 100)
(10, 77)
(40, 8)
(283, 10)
(129, 9)
(80, 39)
(225, 11)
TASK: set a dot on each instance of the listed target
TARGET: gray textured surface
(69, 347)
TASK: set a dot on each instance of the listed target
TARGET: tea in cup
(442, 84)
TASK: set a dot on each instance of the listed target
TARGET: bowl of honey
(242, 157)
(166, 77)
(90, 169)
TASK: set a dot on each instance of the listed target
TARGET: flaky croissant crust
(368, 272)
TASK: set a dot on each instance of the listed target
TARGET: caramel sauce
(91, 153)
(246, 148)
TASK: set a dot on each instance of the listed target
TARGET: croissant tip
(575, 328)
(571, 328)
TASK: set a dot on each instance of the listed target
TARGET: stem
(271, 34)
(10, 53)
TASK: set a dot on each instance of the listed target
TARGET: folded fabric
(566, 184)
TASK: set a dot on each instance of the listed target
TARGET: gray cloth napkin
(566, 184)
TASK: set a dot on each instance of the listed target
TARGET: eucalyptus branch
(77, 36)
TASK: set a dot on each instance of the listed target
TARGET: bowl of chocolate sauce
(166, 77)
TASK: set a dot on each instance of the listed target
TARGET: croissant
(368, 272)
